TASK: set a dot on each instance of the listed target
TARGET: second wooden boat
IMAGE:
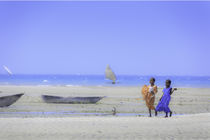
(70, 100)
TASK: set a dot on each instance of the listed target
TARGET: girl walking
(163, 104)
(148, 93)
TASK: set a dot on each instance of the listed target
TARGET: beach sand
(106, 128)
(27, 118)
(124, 99)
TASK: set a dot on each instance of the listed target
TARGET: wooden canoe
(9, 100)
(70, 100)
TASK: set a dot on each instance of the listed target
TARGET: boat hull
(70, 100)
(9, 100)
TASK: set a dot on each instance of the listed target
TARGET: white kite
(7, 69)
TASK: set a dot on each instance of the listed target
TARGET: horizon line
(104, 74)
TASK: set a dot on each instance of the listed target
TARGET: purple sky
(144, 38)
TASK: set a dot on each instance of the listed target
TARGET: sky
(135, 38)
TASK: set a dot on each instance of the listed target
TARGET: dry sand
(20, 120)
(106, 128)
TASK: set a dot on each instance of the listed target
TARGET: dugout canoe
(9, 100)
(70, 100)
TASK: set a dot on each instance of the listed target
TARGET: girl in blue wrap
(163, 104)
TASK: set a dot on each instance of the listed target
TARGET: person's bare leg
(156, 113)
(170, 113)
(150, 114)
(166, 115)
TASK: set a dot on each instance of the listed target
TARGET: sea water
(100, 80)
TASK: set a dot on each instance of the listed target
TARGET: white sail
(110, 74)
(7, 69)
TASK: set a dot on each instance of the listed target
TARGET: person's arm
(172, 90)
(155, 89)
(160, 98)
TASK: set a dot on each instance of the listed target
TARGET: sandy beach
(179, 127)
(95, 57)
(31, 118)
(124, 99)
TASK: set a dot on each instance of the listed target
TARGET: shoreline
(101, 86)
(115, 85)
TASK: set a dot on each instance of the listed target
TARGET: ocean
(99, 80)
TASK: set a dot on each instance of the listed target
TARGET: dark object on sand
(70, 100)
(114, 111)
(8, 100)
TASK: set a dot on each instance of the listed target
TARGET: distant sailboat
(110, 74)
(7, 69)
